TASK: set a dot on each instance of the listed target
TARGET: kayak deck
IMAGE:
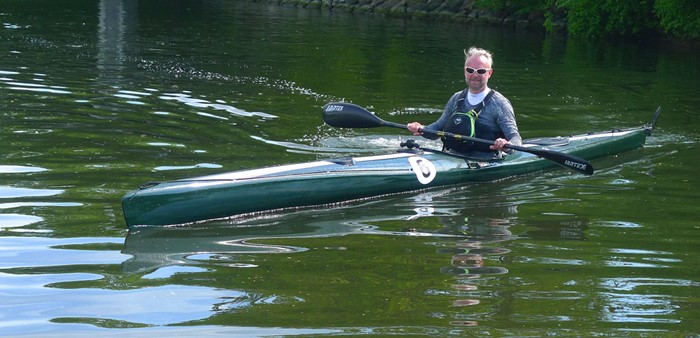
(337, 180)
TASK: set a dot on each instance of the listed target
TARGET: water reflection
(292, 261)
(117, 21)
(17, 222)
(156, 247)
(480, 279)
(473, 258)
(472, 244)
(14, 169)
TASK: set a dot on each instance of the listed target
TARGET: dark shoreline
(464, 11)
(454, 10)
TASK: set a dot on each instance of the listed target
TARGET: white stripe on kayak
(253, 173)
(588, 137)
(610, 134)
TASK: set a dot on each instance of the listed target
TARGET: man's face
(472, 67)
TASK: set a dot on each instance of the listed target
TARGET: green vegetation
(603, 18)
(679, 17)
(586, 18)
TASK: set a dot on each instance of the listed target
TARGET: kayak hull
(331, 181)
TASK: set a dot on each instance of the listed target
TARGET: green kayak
(344, 179)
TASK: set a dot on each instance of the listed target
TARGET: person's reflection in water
(474, 257)
(471, 257)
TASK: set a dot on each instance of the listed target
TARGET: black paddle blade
(348, 115)
(577, 164)
(568, 161)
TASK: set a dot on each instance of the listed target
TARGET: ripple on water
(169, 271)
(12, 192)
(37, 87)
(188, 100)
(638, 308)
(56, 252)
(17, 220)
(15, 169)
(184, 167)
(632, 283)
(617, 224)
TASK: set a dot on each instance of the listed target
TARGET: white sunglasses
(480, 71)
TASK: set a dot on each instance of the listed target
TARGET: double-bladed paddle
(348, 115)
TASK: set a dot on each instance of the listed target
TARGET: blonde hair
(475, 51)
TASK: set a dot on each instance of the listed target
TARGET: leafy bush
(679, 17)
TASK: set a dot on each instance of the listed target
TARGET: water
(100, 97)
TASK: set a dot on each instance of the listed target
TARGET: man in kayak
(477, 111)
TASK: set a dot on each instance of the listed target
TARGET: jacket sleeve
(507, 123)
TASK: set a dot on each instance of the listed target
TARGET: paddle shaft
(348, 115)
(450, 135)
(568, 161)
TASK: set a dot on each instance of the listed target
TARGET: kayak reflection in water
(477, 111)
